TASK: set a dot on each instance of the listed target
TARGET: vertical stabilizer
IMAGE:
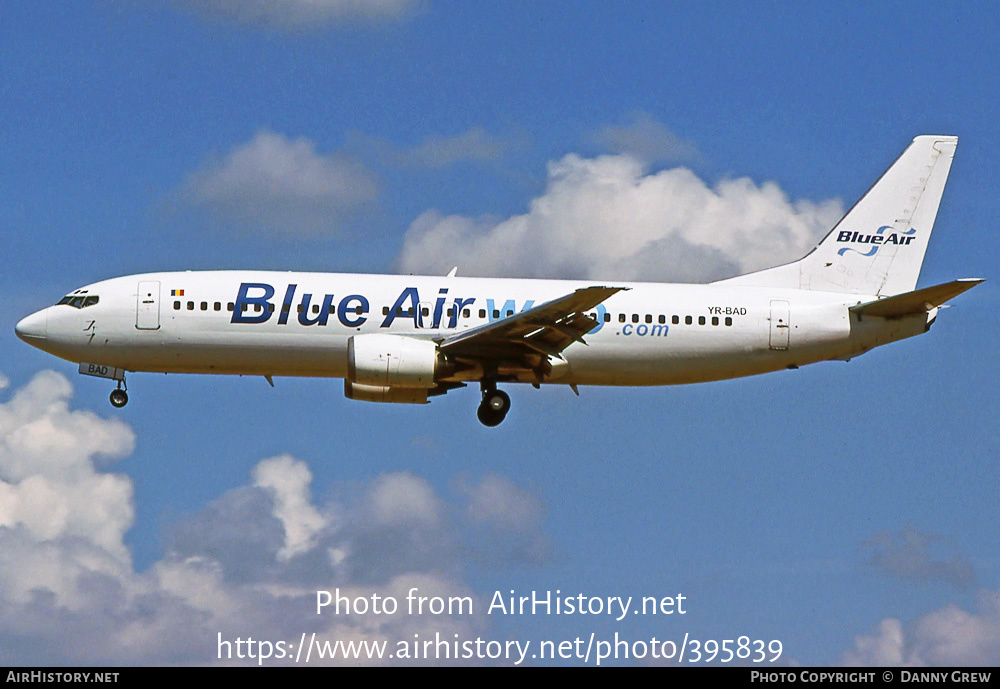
(879, 246)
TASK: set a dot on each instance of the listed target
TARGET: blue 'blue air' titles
(350, 310)
(876, 239)
(254, 305)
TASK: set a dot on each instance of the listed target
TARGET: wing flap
(545, 329)
(918, 301)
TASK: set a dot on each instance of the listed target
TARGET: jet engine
(390, 368)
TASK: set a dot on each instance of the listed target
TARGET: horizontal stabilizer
(919, 301)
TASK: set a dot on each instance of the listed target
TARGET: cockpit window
(79, 301)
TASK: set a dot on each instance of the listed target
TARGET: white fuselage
(649, 334)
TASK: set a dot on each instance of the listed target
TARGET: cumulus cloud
(300, 15)
(288, 479)
(51, 491)
(508, 517)
(475, 144)
(247, 564)
(910, 554)
(948, 636)
(610, 218)
(279, 185)
(646, 139)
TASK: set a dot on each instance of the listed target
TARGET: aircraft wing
(544, 330)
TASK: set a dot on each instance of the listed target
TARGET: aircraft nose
(33, 327)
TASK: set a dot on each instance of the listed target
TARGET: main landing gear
(119, 396)
(495, 405)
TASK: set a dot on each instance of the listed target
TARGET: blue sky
(847, 510)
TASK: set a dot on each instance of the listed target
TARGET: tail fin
(879, 246)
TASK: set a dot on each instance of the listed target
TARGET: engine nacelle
(391, 361)
(378, 393)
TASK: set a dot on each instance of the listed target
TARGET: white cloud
(608, 218)
(247, 564)
(646, 139)
(910, 554)
(946, 637)
(402, 498)
(475, 144)
(52, 494)
(298, 15)
(496, 500)
(508, 517)
(282, 186)
(289, 480)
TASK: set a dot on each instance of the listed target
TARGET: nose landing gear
(119, 397)
(494, 406)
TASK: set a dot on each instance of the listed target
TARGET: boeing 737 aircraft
(404, 339)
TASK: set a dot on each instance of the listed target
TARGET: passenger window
(315, 308)
(496, 313)
(177, 306)
(258, 308)
(229, 306)
(334, 308)
(466, 313)
(635, 318)
(204, 306)
(385, 310)
(190, 306)
(715, 320)
(482, 313)
(688, 320)
(607, 317)
(270, 307)
(357, 309)
(675, 320)
(729, 321)
(425, 312)
(649, 319)
(701, 320)
(218, 306)
(621, 318)
(509, 312)
(662, 319)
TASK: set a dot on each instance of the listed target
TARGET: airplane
(405, 339)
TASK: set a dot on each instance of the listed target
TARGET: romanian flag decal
(176, 293)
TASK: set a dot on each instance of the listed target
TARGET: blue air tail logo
(877, 239)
